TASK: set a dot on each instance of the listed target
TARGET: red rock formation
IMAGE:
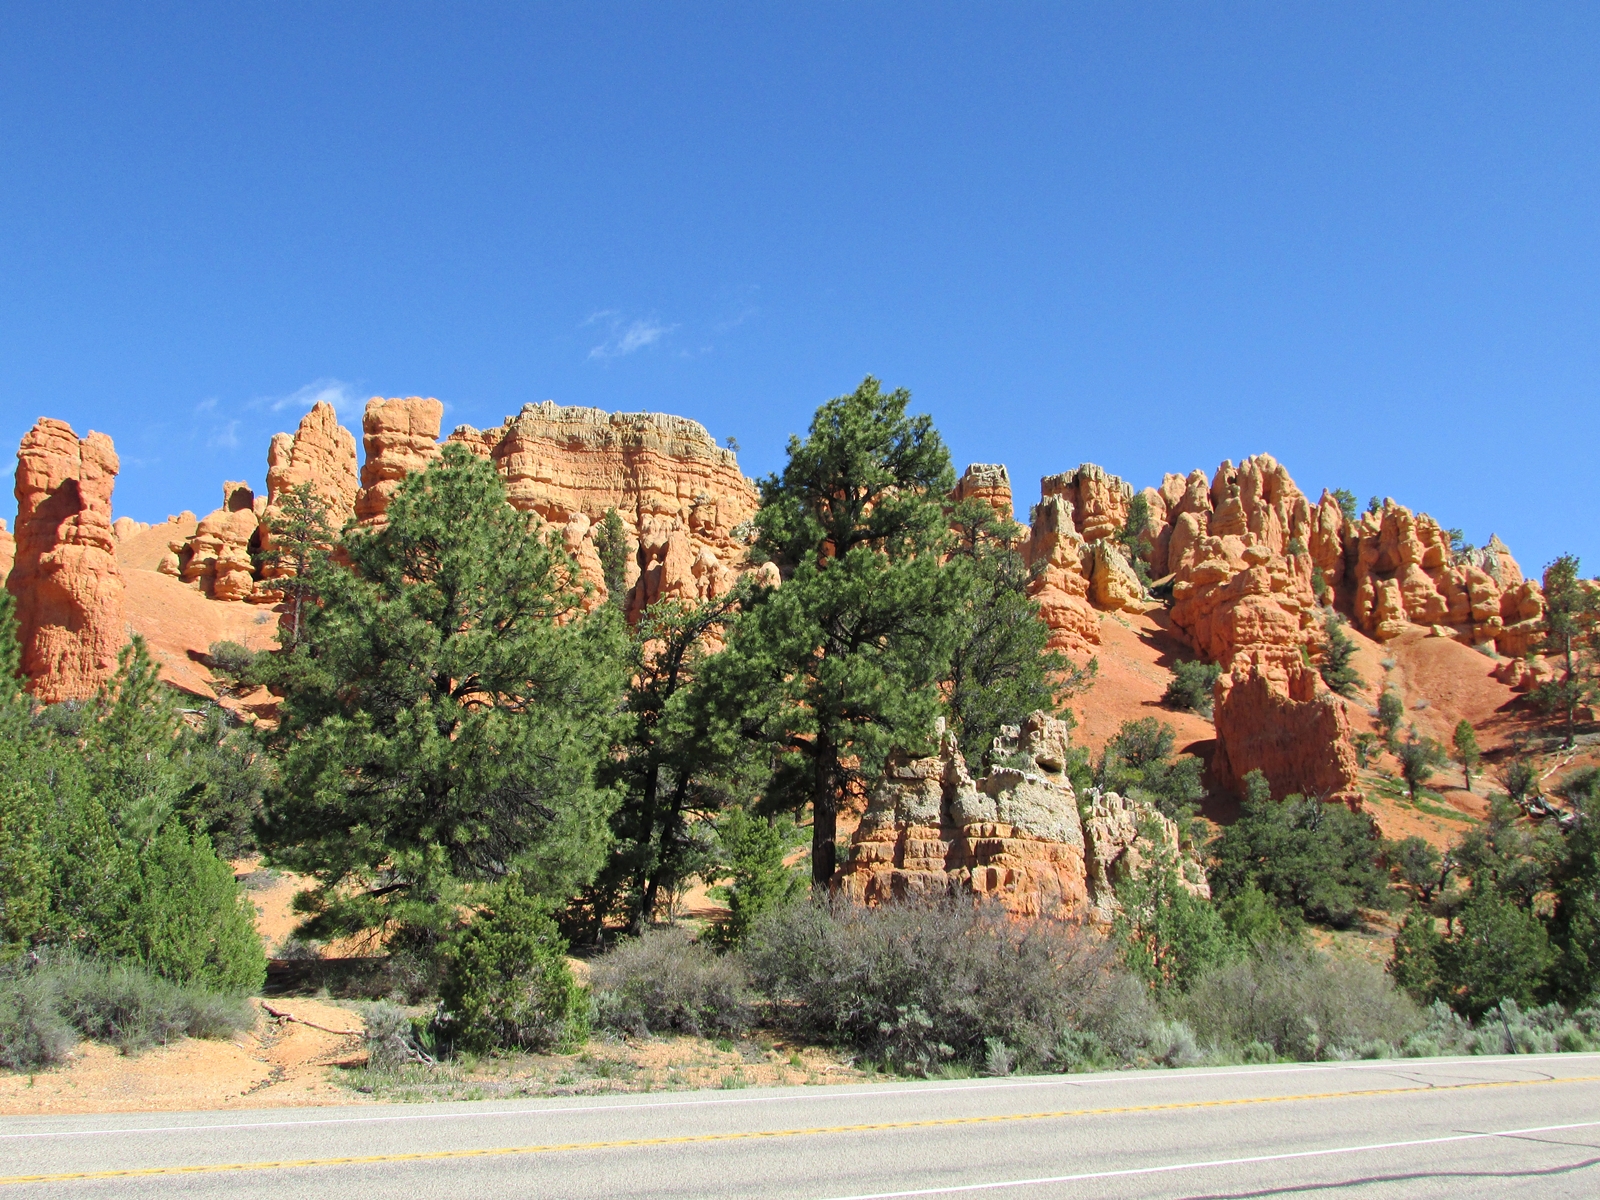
(320, 452)
(1284, 727)
(1243, 555)
(680, 496)
(990, 483)
(8, 551)
(399, 436)
(216, 560)
(1099, 501)
(1403, 574)
(65, 578)
(1061, 563)
(1015, 835)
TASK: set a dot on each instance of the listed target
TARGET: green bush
(1391, 711)
(51, 999)
(190, 921)
(1139, 762)
(924, 984)
(1507, 1028)
(1498, 951)
(1191, 685)
(1167, 935)
(1336, 670)
(391, 1038)
(1321, 860)
(753, 851)
(1303, 1004)
(507, 984)
(665, 982)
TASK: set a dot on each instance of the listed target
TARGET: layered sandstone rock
(399, 435)
(217, 559)
(1403, 573)
(1014, 835)
(1077, 569)
(989, 483)
(681, 497)
(1123, 837)
(1279, 721)
(8, 551)
(65, 578)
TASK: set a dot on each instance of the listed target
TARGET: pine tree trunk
(824, 819)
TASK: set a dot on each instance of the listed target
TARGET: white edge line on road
(1214, 1162)
(857, 1092)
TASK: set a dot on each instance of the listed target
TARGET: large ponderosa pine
(843, 662)
(444, 714)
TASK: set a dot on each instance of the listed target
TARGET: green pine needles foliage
(843, 662)
(96, 853)
(443, 716)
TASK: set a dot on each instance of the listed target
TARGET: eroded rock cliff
(65, 577)
(1016, 835)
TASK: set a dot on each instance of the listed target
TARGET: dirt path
(278, 1063)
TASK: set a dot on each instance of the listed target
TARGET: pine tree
(611, 543)
(444, 714)
(1464, 744)
(299, 538)
(1134, 537)
(1391, 712)
(675, 762)
(1571, 608)
(1419, 757)
(1001, 668)
(1336, 670)
(843, 662)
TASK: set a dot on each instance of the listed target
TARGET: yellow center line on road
(690, 1139)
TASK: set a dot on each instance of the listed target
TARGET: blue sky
(1364, 238)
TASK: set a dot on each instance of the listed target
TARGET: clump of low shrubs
(1294, 1003)
(507, 983)
(1507, 1029)
(1191, 687)
(926, 984)
(51, 999)
(666, 982)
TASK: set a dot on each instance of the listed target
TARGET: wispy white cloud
(626, 337)
(337, 392)
(225, 434)
(209, 404)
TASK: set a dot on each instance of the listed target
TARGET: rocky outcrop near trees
(399, 436)
(1015, 835)
(65, 578)
(681, 498)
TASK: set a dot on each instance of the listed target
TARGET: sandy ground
(180, 625)
(1136, 656)
(278, 1063)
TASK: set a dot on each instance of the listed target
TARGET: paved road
(1523, 1125)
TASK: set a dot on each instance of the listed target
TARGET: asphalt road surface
(1524, 1125)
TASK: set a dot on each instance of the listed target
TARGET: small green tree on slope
(1571, 609)
(1336, 670)
(1464, 749)
(843, 662)
(444, 714)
